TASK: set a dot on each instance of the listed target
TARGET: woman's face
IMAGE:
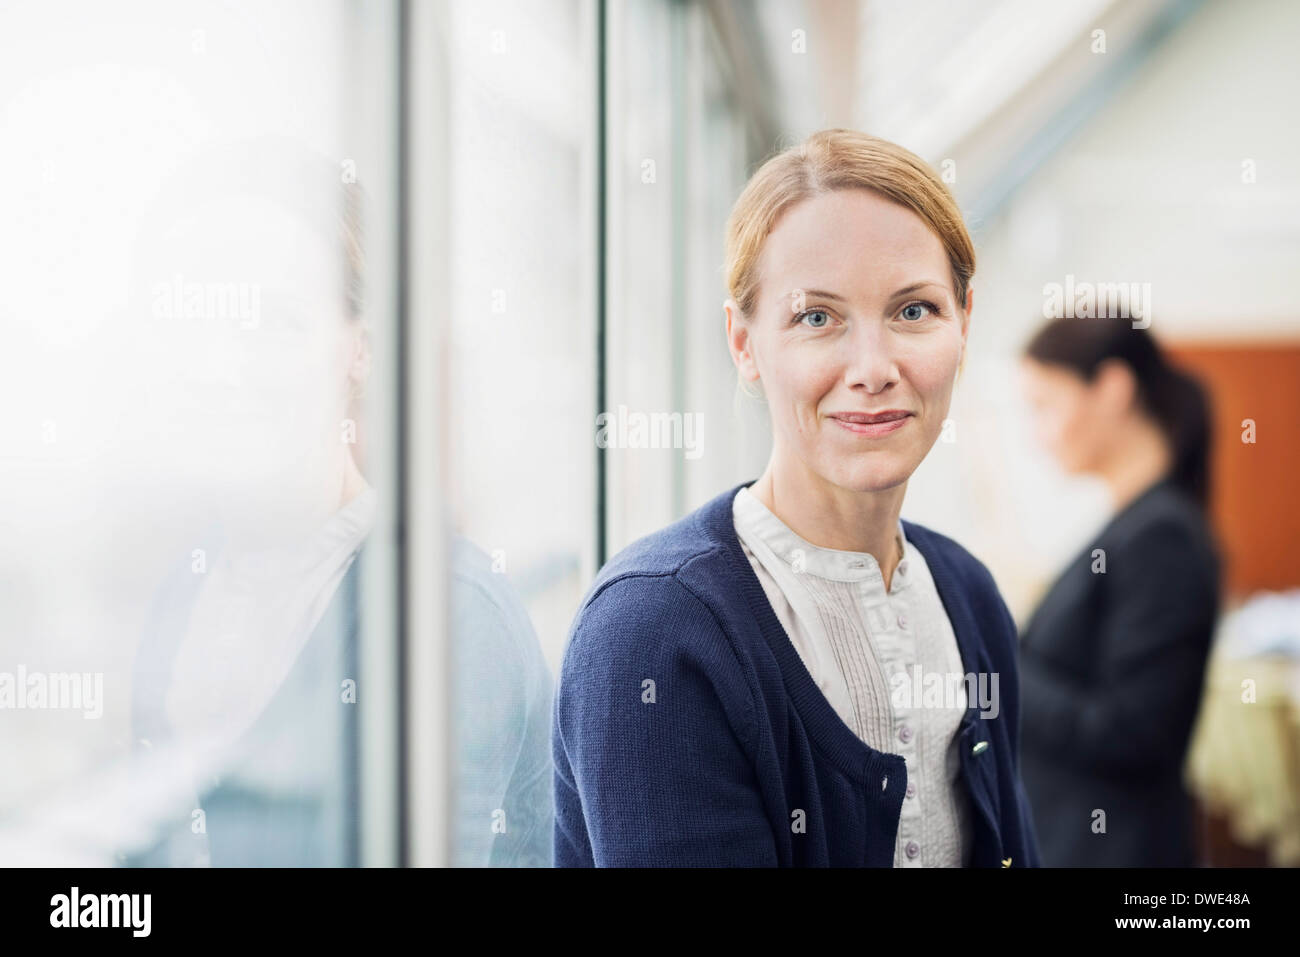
(257, 393)
(856, 316)
(1066, 414)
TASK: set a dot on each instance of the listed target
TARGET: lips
(870, 418)
(871, 425)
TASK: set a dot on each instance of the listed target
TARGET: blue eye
(814, 312)
(914, 317)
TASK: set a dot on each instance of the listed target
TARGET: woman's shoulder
(675, 582)
(954, 568)
(950, 555)
(648, 581)
(691, 550)
(647, 621)
(1165, 525)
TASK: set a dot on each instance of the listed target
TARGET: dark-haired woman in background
(1113, 659)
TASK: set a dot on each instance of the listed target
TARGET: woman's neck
(354, 483)
(829, 516)
(1140, 457)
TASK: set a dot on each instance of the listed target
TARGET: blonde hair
(831, 160)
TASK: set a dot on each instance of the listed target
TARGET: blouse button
(913, 849)
(902, 621)
(905, 734)
(911, 790)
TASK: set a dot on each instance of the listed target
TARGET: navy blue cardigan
(686, 730)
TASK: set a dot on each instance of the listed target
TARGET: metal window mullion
(429, 757)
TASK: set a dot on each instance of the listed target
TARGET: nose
(869, 360)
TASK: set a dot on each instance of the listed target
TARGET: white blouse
(871, 651)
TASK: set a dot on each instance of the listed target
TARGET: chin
(868, 476)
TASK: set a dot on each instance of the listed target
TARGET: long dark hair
(1176, 400)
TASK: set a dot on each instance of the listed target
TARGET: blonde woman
(770, 680)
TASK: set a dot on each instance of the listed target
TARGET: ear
(358, 356)
(965, 326)
(739, 342)
(1115, 386)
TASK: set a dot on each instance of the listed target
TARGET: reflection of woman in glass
(780, 678)
(1114, 657)
(249, 669)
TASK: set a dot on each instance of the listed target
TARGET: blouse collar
(342, 533)
(831, 563)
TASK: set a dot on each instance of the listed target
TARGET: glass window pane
(521, 403)
(188, 496)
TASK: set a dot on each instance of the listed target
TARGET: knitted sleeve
(652, 737)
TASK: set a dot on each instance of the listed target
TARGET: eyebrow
(906, 290)
(819, 292)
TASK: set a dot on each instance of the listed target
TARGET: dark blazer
(1111, 671)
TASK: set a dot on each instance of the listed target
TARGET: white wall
(1151, 190)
